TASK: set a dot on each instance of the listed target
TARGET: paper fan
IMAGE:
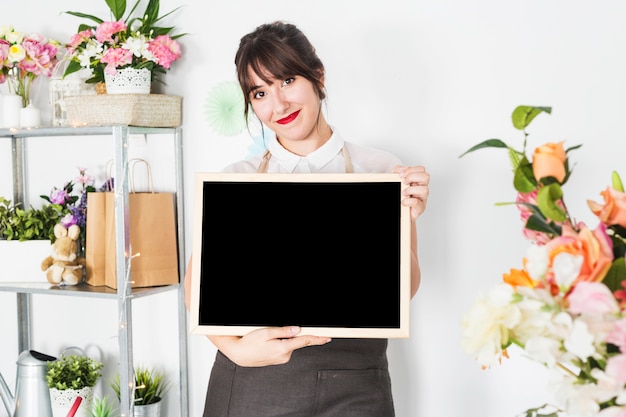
(224, 108)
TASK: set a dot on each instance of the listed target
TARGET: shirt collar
(316, 159)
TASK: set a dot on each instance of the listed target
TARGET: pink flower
(618, 335)
(616, 368)
(106, 30)
(78, 39)
(593, 298)
(165, 50)
(525, 213)
(115, 58)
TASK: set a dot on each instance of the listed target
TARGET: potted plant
(102, 407)
(70, 377)
(150, 387)
(135, 41)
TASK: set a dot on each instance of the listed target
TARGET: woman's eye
(289, 81)
(258, 95)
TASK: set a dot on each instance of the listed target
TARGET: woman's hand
(416, 194)
(267, 346)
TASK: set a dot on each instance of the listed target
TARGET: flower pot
(148, 410)
(128, 81)
(21, 261)
(63, 400)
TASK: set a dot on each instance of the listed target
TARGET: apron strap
(267, 155)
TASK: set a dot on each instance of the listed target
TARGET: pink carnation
(106, 30)
(77, 39)
(165, 50)
(115, 58)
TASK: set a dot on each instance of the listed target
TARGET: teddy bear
(64, 266)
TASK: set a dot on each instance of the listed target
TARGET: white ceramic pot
(129, 81)
(63, 400)
(21, 261)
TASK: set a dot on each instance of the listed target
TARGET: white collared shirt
(326, 159)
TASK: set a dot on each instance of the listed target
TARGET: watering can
(32, 396)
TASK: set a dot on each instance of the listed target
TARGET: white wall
(424, 79)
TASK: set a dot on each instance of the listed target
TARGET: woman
(274, 372)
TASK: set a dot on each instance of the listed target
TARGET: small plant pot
(148, 410)
(63, 400)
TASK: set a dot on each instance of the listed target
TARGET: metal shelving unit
(124, 293)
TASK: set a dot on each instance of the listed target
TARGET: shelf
(79, 131)
(80, 290)
(23, 291)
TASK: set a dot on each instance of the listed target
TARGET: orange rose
(614, 209)
(549, 161)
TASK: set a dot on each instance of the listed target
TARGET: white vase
(30, 116)
(21, 261)
(129, 81)
(63, 400)
(11, 106)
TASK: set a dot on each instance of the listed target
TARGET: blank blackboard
(327, 252)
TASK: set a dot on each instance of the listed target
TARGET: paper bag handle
(131, 178)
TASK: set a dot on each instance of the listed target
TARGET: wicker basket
(146, 110)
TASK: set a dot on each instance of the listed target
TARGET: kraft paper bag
(95, 248)
(152, 231)
(153, 247)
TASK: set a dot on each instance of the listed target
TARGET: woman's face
(291, 108)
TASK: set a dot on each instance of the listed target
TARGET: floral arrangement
(24, 57)
(565, 307)
(73, 207)
(130, 42)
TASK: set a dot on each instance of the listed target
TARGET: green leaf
(547, 198)
(523, 115)
(489, 143)
(616, 274)
(617, 182)
(86, 16)
(524, 179)
(117, 7)
(71, 68)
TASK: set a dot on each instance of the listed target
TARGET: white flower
(486, 325)
(566, 268)
(580, 340)
(537, 261)
(14, 36)
(543, 349)
(138, 45)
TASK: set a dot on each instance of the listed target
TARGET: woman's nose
(280, 104)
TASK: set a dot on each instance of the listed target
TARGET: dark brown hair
(283, 51)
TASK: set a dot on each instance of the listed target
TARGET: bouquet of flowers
(565, 307)
(73, 208)
(131, 42)
(24, 57)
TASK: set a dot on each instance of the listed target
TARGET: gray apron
(344, 378)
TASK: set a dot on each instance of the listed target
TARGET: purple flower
(59, 196)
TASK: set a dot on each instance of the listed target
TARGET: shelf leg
(23, 321)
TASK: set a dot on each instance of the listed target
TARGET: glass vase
(19, 83)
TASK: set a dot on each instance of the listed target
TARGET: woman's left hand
(416, 194)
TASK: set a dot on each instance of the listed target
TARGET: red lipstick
(289, 118)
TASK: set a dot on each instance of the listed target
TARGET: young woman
(275, 372)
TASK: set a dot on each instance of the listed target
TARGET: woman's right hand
(266, 346)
